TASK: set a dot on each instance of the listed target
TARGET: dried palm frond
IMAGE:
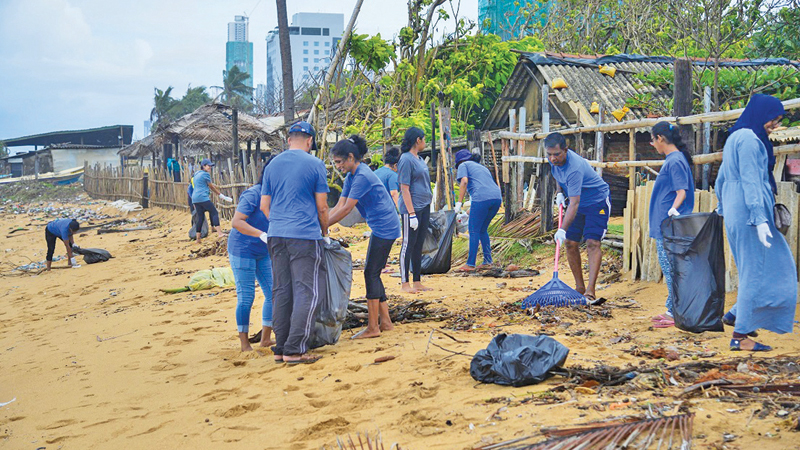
(375, 443)
(674, 432)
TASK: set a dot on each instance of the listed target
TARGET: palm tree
(286, 62)
(164, 107)
(236, 93)
(195, 97)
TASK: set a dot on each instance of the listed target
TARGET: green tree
(780, 35)
(234, 90)
(165, 108)
(194, 98)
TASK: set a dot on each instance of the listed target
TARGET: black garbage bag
(518, 360)
(438, 246)
(92, 255)
(696, 253)
(203, 230)
(332, 310)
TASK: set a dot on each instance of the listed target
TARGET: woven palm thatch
(207, 130)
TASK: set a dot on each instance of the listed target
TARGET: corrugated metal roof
(585, 84)
(786, 135)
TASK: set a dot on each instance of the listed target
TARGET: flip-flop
(465, 269)
(736, 346)
(309, 360)
(664, 324)
(661, 317)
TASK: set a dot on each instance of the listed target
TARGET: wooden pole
(546, 184)
(598, 141)
(512, 179)
(506, 184)
(632, 157)
(520, 166)
(682, 99)
(706, 136)
(443, 136)
(494, 158)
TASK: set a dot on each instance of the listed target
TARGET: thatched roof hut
(208, 131)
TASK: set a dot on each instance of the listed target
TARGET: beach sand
(97, 357)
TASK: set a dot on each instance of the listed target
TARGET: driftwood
(124, 230)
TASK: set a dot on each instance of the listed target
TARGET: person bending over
(200, 198)
(63, 229)
(587, 213)
(364, 190)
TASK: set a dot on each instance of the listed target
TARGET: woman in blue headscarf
(745, 190)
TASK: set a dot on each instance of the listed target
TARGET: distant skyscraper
(239, 50)
(147, 126)
(505, 15)
(314, 38)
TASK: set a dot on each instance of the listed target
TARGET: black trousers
(377, 255)
(51, 239)
(201, 208)
(298, 286)
(411, 251)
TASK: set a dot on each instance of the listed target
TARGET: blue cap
(304, 127)
(206, 162)
(463, 155)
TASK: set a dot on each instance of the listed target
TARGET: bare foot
(465, 268)
(407, 288)
(418, 286)
(367, 333)
(247, 348)
(267, 344)
(387, 326)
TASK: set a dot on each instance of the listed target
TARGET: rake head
(554, 293)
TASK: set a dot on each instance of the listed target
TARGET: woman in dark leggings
(364, 190)
(201, 200)
(414, 207)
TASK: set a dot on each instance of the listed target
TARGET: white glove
(458, 207)
(75, 266)
(560, 199)
(327, 240)
(263, 237)
(673, 212)
(764, 233)
(225, 198)
(73, 261)
(413, 222)
(561, 236)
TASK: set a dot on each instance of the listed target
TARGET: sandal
(592, 301)
(304, 359)
(664, 324)
(465, 269)
(661, 317)
(736, 346)
(278, 359)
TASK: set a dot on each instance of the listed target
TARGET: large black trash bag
(696, 253)
(332, 310)
(193, 232)
(92, 255)
(437, 249)
(518, 360)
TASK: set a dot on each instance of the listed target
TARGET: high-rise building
(314, 38)
(504, 17)
(239, 50)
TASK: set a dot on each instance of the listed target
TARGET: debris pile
(400, 310)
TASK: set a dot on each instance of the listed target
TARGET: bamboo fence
(156, 187)
(639, 255)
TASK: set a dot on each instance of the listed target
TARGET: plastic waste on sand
(208, 279)
(332, 310)
(518, 360)
(193, 229)
(695, 249)
(126, 206)
(437, 249)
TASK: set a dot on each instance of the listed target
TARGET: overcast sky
(74, 64)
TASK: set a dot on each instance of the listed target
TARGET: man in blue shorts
(294, 197)
(587, 213)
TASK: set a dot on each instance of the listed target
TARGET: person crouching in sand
(364, 190)
(62, 229)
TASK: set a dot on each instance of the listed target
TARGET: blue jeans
(480, 216)
(666, 269)
(245, 272)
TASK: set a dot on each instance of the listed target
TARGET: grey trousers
(298, 274)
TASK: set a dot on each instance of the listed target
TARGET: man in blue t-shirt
(587, 213)
(61, 229)
(294, 197)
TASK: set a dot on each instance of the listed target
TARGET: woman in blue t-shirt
(485, 199)
(673, 195)
(202, 188)
(388, 173)
(363, 190)
(250, 261)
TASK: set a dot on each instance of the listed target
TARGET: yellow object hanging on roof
(608, 70)
(594, 109)
(620, 113)
(558, 83)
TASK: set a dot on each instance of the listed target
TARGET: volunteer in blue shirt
(363, 190)
(673, 195)
(61, 229)
(588, 211)
(249, 258)
(294, 197)
(202, 202)
(485, 199)
(414, 207)
(388, 173)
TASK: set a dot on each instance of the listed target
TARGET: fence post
(145, 191)
(706, 136)
(598, 148)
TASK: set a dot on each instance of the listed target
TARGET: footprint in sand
(59, 424)
(330, 427)
(164, 366)
(319, 403)
(239, 410)
(178, 341)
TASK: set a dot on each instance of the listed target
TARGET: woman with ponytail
(364, 190)
(414, 207)
(673, 195)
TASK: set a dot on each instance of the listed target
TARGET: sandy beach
(97, 357)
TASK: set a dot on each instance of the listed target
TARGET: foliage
(3, 150)
(234, 90)
(780, 35)
(373, 53)
(167, 109)
(194, 98)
